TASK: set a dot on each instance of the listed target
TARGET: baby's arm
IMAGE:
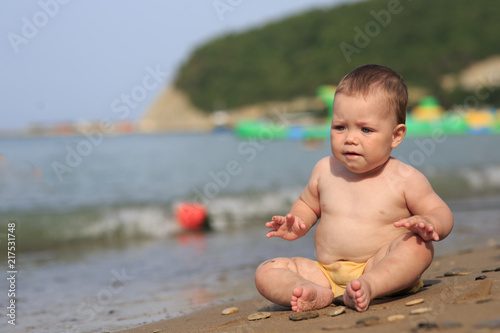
(432, 218)
(303, 214)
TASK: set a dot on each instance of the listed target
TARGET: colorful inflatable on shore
(425, 120)
(191, 216)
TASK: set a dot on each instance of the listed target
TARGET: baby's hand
(288, 227)
(419, 225)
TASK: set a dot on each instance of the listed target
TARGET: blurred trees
(423, 40)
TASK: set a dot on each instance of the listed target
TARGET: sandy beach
(461, 293)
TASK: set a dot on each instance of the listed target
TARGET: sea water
(98, 247)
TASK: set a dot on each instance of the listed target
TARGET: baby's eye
(366, 130)
(339, 128)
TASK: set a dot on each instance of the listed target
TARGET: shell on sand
(396, 317)
(230, 310)
(259, 315)
(414, 302)
(420, 311)
(336, 311)
(296, 316)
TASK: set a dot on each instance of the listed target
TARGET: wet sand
(456, 302)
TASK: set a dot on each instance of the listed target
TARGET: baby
(379, 216)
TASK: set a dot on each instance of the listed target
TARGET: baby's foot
(357, 295)
(310, 297)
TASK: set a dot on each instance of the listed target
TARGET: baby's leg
(395, 267)
(296, 282)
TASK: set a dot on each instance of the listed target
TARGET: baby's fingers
(402, 223)
(272, 225)
(279, 219)
(272, 233)
(429, 235)
(427, 227)
(398, 224)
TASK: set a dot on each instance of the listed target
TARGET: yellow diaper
(340, 273)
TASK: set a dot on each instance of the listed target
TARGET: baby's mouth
(351, 155)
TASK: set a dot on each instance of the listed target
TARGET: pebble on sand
(480, 277)
(492, 269)
(368, 321)
(336, 311)
(259, 315)
(420, 311)
(339, 300)
(440, 326)
(414, 302)
(230, 310)
(456, 273)
(426, 326)
(395, 317)
(492, 324)
(449, 324)
(484, 300)
(296, 316)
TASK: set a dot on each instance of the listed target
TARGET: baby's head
(369, 79)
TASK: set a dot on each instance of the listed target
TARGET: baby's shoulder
(327, 160)
(325, 164)
(401, 170)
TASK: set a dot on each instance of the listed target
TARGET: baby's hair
(368, 78)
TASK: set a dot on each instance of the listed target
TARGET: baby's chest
(360, 200)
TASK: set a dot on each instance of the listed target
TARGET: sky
(75, 60)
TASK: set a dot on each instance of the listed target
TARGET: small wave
(128, 222)
(100, 226)
(481, 179)
(239, 210)
(466, 183)
(47, 229)
(111, 224)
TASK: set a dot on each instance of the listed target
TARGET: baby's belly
(353, 241)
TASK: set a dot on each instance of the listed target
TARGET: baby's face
(362, 132)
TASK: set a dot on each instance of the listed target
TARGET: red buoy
(191, 216)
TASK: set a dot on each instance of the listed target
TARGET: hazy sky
(69, 60)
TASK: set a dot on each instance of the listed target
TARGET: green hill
(421, 39)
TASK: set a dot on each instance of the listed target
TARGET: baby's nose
(351, 139)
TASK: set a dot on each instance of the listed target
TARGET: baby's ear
(398, 135)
